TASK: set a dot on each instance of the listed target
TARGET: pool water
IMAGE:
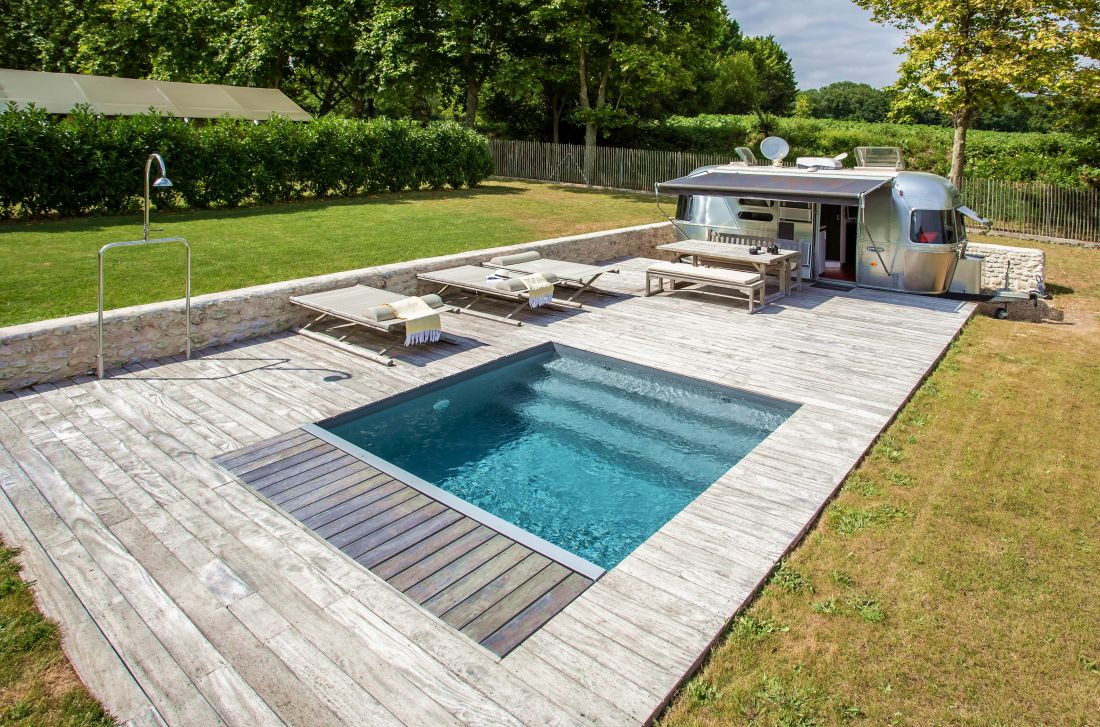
(587, 452)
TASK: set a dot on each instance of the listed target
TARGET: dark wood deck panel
(491, 588)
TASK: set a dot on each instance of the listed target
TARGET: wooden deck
(186, 598)
(481, 582)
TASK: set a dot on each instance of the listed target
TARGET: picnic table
(784, 266)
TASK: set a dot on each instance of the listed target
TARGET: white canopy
(58, 93)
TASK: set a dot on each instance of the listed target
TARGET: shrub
(1055, 158)
(86, 163)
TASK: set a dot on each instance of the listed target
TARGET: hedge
(86, 163)
(1060, 159)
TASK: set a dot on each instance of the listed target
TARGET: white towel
(540, 291)
(422, 324)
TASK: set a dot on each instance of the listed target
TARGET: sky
(828, 40)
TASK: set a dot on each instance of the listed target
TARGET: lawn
(49, 268)
(37, 684)
(954, 579)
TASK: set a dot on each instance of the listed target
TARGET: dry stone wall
(1024, 266)
(56, 349)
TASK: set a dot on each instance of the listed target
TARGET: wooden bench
(736, 238)
(751, 284)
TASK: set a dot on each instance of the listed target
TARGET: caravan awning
(809, 188)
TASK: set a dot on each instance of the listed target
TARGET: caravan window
(755, 216)
(934, 227)
(756, 202)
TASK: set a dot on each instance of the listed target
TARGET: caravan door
(877, 246)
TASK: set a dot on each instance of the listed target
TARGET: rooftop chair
(568, 274)
(377, 310)
(532, 290)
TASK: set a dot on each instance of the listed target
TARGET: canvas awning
(809, 188)
(58, 93)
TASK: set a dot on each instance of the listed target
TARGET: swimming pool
(587, 452)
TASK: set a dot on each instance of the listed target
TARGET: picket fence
(1021, 207)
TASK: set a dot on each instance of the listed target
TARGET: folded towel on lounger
(422, 324)
(540, 291)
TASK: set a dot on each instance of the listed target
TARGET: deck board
(186, 596)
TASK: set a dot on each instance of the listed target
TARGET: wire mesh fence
(1021, 207)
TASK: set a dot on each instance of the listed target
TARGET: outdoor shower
(161, 182)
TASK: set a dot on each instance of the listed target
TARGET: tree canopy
(963, 56)
(544, 68)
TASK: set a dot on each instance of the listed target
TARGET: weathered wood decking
(491, 588)
(186, 598)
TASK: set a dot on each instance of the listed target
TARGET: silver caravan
(875, 226)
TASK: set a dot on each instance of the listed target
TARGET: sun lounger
(750, 284)
(573, 275)
(378, 310)
(485, 283)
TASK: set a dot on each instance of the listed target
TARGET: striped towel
(540, 291)
(422, 324)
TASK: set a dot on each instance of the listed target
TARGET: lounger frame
(480, 292)
(578, 284)
(391, 327)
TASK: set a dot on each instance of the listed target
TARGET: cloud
(828, 40)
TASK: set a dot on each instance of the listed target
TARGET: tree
(616, 50)
(965, 55)
(774, 74)
(852, 102)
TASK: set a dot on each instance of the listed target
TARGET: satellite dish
(775, 149)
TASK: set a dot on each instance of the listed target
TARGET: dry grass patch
(954, 578)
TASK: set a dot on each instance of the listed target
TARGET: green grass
(953, 580)
(49, 267)
(37, 684)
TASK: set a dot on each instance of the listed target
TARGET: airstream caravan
(875, 225)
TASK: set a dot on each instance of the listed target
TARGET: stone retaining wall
(56, 349)
(1024, 265)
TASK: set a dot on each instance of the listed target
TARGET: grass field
(954, 580)
(37, 684)
(49, 268)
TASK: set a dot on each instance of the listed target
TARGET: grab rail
(186, 292)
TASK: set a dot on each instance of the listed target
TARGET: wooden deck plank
(427, 587)
(402, 561)
(413, 573)
(471, 581)
(509, 634)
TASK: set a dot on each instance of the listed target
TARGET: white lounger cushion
(522, 257)
(719, 276)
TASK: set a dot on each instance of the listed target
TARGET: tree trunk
(961, 120)
(589, 123)
(473, 90)
(556, 106)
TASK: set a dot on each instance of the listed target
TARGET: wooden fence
(1022, 207)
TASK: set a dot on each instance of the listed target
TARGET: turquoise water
(587, 452)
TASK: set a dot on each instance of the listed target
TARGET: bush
(86, 163)
(1054, 158)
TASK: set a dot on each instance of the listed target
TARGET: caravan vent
(880, 157)
(746, 155)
